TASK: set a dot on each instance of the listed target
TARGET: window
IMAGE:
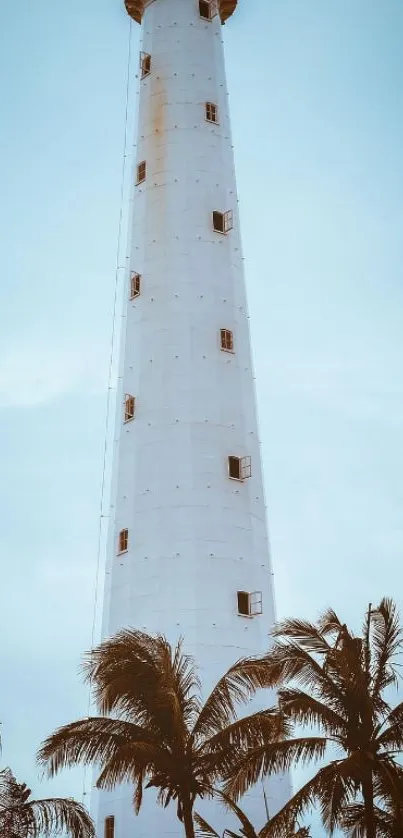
(249, 604)
(141, 171)
(145, 64)
(227, 340)
(135, 282)
(130, 403)
(207, 9)
(109, 828)
(211, 112)
(123, 542)
(239, 468)
(223, 221)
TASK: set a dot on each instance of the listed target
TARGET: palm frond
(367, 653)
(386, 642)
(250, 732)
(283, 823)
(302, 708)
(288, 663)
(240, 682)
(243, 772)
(306, 634)
(93, 740)
(138, 791)
(329, 623)
(248, 830)
(143, 678)
(47, 818)
(174, 702)
(123, 671)
(338, 791)
(188, 685)
(204, 830)
(390, 735)
(388, 781)
(134, 761)
(8, 784)
(353, 822)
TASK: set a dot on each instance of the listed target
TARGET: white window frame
(227, 340)
(246, 467)
(140, 179)
(135, 285)
(228, 221)
(145, 59)
(256, 603)
(210, 111)
(130, 407)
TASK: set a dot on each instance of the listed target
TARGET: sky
(316, 93)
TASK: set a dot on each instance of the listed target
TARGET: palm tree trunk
(188, 817)
(368, 795)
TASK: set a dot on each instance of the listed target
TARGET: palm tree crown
(160, 734)
(21, 817)
(334, 682)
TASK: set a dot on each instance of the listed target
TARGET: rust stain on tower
(159, 147)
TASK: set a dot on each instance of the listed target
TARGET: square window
(130, 403)
(123, 541)
(109, 827)
(249, 604)
(135, 283)
(223, 221)
(145, 64)
(239, 468)
(207, 9)
(211, 112)
(141, 171)
(227, 340)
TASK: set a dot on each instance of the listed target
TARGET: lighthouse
(188, 549)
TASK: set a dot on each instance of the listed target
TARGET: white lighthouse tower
(188, 550)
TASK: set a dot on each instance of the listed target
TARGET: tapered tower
(188, 550)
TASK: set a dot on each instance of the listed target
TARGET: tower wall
(195, 536)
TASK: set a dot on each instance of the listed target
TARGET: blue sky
(316, 92)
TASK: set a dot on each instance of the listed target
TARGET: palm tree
(160, 734)
(21, 817)
(334, 682)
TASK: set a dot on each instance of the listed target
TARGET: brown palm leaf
(21, 817)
